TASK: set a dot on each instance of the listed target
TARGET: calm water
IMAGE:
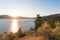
(24, 24)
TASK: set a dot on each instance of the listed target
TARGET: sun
(13, 15)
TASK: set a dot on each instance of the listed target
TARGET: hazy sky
(29, 7)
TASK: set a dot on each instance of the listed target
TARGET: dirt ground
(32, 37)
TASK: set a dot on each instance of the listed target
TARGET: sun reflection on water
(14, 26)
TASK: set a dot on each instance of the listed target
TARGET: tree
(37, 22)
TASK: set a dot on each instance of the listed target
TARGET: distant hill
(9, 17)
(4, 17)
(51, 17)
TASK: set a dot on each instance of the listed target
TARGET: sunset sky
(29, 8)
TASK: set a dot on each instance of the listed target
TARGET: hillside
(51, 17)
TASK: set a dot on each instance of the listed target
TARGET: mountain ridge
(10, 17)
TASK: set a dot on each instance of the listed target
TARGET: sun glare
(14, 15)
(14, 26)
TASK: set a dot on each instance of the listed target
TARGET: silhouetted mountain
(9, 17)
(4, 17)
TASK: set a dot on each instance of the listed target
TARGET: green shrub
(57, 36)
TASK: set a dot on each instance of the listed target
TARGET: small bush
(57, 36)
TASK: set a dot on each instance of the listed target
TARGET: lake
(24, 24)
